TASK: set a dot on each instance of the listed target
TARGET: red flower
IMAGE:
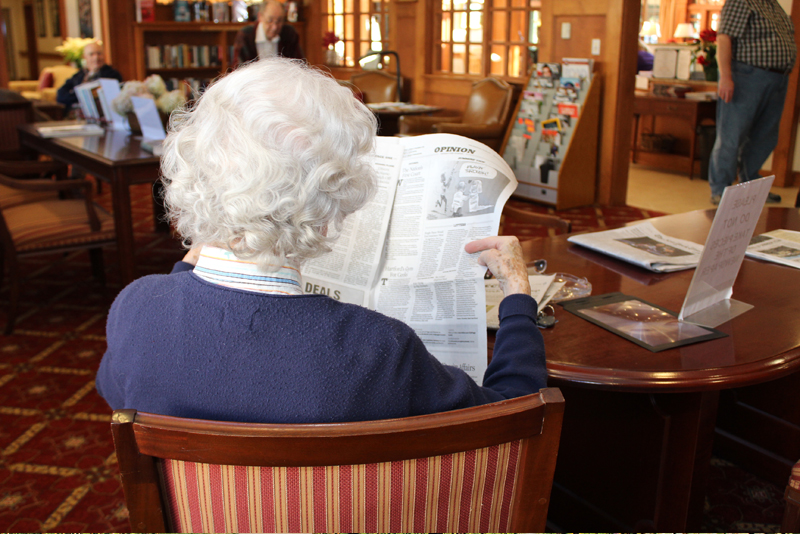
(329, 38)
(702, 60)
(708, 36)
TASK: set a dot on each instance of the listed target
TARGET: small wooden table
(638, 426)
(115, 157)
(692, 111)
(388, 114)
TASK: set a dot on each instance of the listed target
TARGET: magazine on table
(644, 246)
(403, 253)
(779, 246)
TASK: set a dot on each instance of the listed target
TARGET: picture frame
(55, 18)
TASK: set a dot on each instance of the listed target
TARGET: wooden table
(691, 111)
(639, 426)
(114, 157)
(388, 116)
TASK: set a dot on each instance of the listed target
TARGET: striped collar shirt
(222, 267)
(762, 33)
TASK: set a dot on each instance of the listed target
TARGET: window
(482, 37)
(362, 25)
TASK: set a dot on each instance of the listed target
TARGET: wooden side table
(691, 111)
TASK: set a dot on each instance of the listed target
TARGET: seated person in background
(262, 173)
(94, 67)
(644, 59)
(268, 37)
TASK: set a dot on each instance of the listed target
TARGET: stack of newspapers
(644, 246)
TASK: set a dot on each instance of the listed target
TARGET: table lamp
(685, 31)
(651, 31)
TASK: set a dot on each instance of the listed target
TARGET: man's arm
(66, 93)
(724, 54)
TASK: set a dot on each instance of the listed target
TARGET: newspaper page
(448, 190)
(644, 246)
(349, 271)
(779, 246)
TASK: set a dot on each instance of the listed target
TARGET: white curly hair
(268, 163)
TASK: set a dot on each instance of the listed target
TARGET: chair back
(60, 74)
(483, 469)
(13, 114)
(489, 102)
(376, 86)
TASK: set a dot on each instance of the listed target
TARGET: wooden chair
(11, 115)
(485, 118)
(483, 469)
(791, 514)
(376, 86)
(38, 222)
(518, 215)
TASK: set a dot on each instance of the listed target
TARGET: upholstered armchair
(376, 86)
(484, 119)
(46, 87)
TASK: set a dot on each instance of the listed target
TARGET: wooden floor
(668, 192)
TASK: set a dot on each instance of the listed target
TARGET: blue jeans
(747, 126)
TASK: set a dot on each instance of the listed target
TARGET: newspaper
(403, 254)
(779, 246)
(543, 288)
(644, 246)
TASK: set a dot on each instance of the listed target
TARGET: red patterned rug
(58, 471)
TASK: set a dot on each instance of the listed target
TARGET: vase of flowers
(72, 50)
(329, 40)
(154, 88)
(706, 54)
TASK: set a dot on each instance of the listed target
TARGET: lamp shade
(685, 30)
(650, 28)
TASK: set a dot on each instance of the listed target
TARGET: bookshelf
(187, 50)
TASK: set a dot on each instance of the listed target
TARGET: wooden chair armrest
(44, 184)
(420, 124)
(23, 85)
(34, 169)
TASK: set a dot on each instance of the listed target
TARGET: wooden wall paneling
(622, 32)
(783, 156)
(579, 168)
(119, 23)
(3, 63)
(584, 29)
(403, 40)
(423, 45)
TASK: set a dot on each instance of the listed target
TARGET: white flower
(155, 84)
(72, 48)
(122, 103)
(169, 102)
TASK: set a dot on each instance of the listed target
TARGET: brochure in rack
(644, 246)
(403, 253)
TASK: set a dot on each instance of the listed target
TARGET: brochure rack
(553, 154)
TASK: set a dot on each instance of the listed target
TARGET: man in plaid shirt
(755, 52)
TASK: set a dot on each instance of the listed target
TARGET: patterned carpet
(57, 466)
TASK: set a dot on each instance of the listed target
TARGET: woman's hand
(503, 256)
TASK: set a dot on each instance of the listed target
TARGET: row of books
(192, 87)
(185, 55)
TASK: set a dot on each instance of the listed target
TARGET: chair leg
(13, 274)
(98, 268)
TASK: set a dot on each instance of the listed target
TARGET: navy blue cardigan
(181, 346)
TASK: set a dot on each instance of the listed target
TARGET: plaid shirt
(761, 31)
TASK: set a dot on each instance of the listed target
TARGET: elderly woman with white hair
(258, 178)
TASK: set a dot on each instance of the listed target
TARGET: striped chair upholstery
(791, 513)
(483, 469)
(464, 492)
(33, 220)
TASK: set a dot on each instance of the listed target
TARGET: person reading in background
(94, 67)
(268, 37)
(260, 176)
